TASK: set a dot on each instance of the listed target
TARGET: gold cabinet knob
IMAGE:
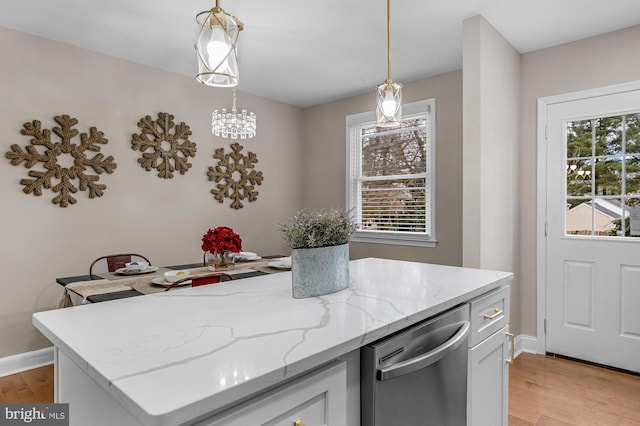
(298, 423)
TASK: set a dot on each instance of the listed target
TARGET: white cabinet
(317, 399)
(488, 362)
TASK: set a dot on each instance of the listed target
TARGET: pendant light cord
(388, 41)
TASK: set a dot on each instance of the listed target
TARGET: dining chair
(198, 280)
(111, 262)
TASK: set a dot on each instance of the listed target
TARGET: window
(390, 177)
(603, 176)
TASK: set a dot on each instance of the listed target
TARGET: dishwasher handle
(426, 359)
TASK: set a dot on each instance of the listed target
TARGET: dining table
(105, 286)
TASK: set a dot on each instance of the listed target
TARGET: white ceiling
(307, 53)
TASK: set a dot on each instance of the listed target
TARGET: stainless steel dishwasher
(418, 376)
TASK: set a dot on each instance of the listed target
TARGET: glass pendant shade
(389, 100)
(233, 124)
(216, 48)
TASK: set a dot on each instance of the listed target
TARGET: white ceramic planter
(319, 271)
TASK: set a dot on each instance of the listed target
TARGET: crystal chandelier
(233, 124)
(216, 47)
(389, 93)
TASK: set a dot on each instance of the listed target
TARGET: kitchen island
(187, 355)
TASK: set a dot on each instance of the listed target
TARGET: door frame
(541, 209)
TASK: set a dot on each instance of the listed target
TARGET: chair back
(198, 280)
(112, 262)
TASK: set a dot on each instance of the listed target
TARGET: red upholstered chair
(197, 280)
(112, 262)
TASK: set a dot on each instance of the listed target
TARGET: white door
(593, 225)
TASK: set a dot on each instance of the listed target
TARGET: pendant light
(389, 93)
(233, 124)
(216, 47)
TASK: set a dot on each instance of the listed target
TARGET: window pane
(394, 205)
(395, 153)
(579, 139)
(632, 218)
(579, 219)
(609, 176)
(633, 134)
(608, 135)
(632, 170)
(579, 177)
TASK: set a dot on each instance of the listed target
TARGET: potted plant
(319, 244)
(222, 244)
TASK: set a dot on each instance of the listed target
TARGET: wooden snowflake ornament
(232, 165)
(50, 153)
(165, 161)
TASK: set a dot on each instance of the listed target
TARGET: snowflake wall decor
(232, 165)
(52, 167)
(154, 132)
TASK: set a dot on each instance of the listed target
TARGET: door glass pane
(579, 139)
(607, 216)
(632, 218)
(579, 177)
(579, 217)
(633, 134)
(632, 171)
(608, 176)
(608, 135)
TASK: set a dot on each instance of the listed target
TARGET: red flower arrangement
(221, 239)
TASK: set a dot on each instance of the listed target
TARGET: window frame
(354, 166)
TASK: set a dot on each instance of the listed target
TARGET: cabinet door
(488, 383)
(316, 399)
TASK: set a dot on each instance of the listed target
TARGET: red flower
(220, 239)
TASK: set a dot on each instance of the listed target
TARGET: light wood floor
(543, 391)
(29, 386)
(546, 391)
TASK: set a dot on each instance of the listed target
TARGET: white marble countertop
(170, 357)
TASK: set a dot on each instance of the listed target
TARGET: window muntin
(390, 177)
(603, 176)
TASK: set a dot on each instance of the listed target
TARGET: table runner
(112, 282)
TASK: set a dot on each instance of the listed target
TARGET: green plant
(309, 229)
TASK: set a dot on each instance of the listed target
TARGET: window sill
(401, 240)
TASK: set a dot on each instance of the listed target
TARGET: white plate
(247, 255)
(127, 271)
(161, 281)
(279, 264)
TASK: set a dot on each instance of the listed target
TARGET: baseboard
(26, 361)
(526, 344)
